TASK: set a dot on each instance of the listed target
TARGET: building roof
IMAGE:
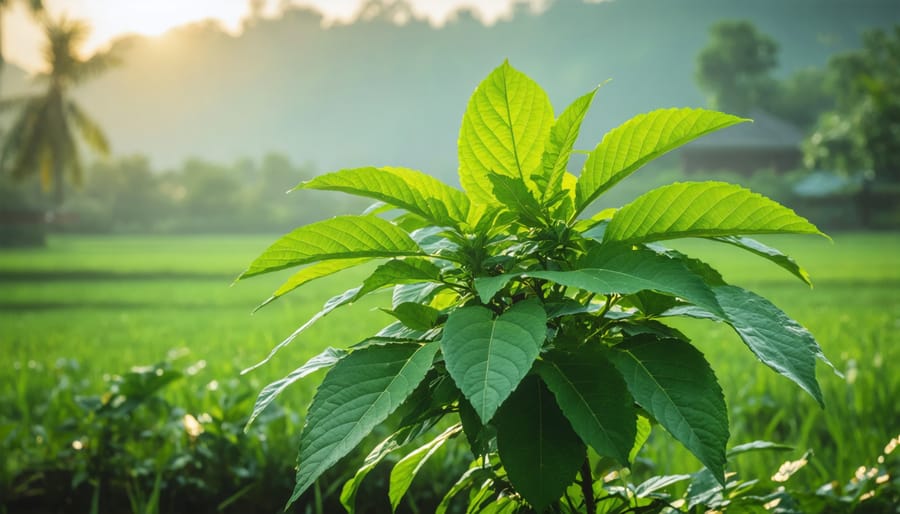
(766, 132)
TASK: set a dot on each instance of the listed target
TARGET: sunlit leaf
(503, 131)
(343, 237)
(405, 188)
(638, 141)
(702, 209)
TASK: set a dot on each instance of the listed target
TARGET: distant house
(767, 143)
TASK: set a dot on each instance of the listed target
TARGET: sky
(111, 18)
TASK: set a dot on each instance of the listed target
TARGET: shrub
(537, 333)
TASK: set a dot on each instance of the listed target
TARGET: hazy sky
(110, 18)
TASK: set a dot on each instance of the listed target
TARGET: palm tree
(41, 139)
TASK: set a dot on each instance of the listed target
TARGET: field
(76, 316)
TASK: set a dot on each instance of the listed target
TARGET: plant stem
(587, 487)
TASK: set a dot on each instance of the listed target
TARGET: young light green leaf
(638, 141)
(594, 398)
(672, 381)
(559, 145)
(342, 237)
(360, 392)
(540, 451)
(641, 436)
(503, 131)
(767, 252)
(405, 188)
(758, 446)
(702, 209)
(310, 273)
(408, 467)
(487, 356)
(777, 340)
(323, 360)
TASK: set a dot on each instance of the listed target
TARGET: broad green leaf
(777, 340)
(503, 131)
(502, 505)
(410, 270)
(405, 188)
(310, 273)
(638, 141)
(408, 467)
(540, 451)
(559, 145)
(594, 398)
(621, 270)
(767, 252)
(392, 443)
(477, 433)
(360, 392)
(323, 360)
(342, 237)
(672, 381)
(656, 483)
(415, 315)
(702, 209)
(333, 303)
(487, 356)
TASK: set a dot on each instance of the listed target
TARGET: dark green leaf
(323, 360)
(408, 189)
(638, 141)
(777, 340)
(702, 209)
(540, 451)
(594, 398)
(360, 392)
(343, 237)
(767, 252)
(487, 357)
(672, 381)
(515, 196)
(503, 131)
(415, 315)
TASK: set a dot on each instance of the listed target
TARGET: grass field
(84, 309)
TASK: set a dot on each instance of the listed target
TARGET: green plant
(538, 330)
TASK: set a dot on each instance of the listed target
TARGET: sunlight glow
(112, 18)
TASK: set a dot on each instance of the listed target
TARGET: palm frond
(89, 129)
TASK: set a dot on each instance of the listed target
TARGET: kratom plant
(533, 330)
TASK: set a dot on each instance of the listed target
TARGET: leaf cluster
(536, 331)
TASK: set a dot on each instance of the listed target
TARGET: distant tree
(41, 139)
(864, 128)
(734, 68)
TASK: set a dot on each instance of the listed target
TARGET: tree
(864, 128)
(42, 137)
(734, 67)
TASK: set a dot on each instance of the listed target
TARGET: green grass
(86, 308)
